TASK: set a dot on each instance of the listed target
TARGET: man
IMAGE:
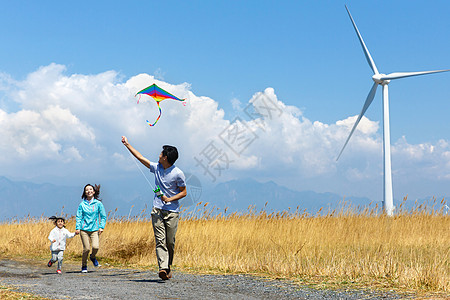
(166, 207)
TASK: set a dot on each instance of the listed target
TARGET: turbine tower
(383, 80)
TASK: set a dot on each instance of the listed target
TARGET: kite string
(137, 165)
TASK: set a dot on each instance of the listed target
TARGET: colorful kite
(159, 95)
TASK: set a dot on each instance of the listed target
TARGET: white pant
(58, 255)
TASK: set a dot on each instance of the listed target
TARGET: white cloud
(422, 160)
(236, 104)
(73, 123)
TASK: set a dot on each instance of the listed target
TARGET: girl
(58, 237)
(91, 220)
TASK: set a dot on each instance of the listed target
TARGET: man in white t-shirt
(166, 207)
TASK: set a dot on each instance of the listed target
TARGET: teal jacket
(88, 215)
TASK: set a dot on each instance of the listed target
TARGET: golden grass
(7, 293)
(407, 252)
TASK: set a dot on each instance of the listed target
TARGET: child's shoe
(83, 269)
(58, 271)
(94, 261)
(50, 263)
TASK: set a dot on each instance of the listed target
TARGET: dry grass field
(347, 248)
(10, 294)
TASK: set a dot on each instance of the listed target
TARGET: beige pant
(165, 224)
(88, 238)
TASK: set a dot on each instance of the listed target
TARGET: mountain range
(19, 199)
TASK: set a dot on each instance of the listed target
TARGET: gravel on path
(112, 283)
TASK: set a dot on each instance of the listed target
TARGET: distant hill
(238, 195)
(19, 199)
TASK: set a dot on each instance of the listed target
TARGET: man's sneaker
(95, 262)
(83, 269)
(169, 274)
(50, 263)
(163, 275)
(58, 271)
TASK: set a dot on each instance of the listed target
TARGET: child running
(58, 237)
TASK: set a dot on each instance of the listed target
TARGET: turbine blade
(369, 100)
(408, 74)
(366, 51)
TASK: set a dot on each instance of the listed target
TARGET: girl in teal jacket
(91, 220)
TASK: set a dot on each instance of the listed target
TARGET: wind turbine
(383, 80)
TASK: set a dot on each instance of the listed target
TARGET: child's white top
(60, 235)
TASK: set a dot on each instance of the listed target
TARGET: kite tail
(158, 116)
(139, 98)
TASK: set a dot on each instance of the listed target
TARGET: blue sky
(224, 53)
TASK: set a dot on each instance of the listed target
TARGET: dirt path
(112, 283)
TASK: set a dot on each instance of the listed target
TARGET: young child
(58, 237)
